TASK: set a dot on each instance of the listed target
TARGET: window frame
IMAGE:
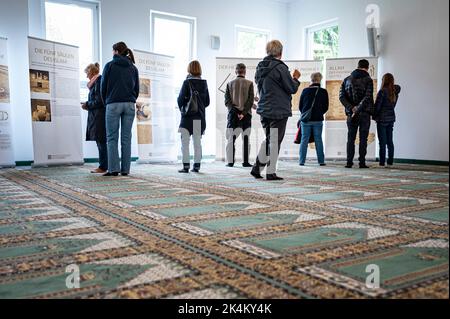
(309, 35)
(242, 28)
(95, 7)
(192, 21)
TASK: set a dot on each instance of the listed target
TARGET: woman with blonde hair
(193, 101)
(96, 123)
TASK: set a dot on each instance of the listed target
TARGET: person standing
(385, 117)
(239, 99)
(193, 101)
(96, 123)
(120, 90)
(356, 95)
(276, 87)
(314, 103)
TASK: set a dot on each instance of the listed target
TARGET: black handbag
(191, 108)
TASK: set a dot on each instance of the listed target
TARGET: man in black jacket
(357, 97)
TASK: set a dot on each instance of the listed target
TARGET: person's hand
(240, 117)
(354, 110)
(296, 75)
(256, 99)
(84, 106)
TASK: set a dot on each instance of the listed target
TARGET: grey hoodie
(276, 87)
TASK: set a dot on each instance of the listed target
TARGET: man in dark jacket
(239, 99)
(357, 97)
(276, 87)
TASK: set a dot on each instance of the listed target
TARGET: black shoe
(230, 165)
(349, 166)
(363, 166)
(302, 164)
(184, 171)
(382, 165)
(256, 174)
(111, 174)
(323, 164)
(196, 168)
(274, 177)
(124, 174)
(247, 165)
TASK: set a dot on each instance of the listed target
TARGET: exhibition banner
(156, 124)
(55, 103)
(225, 73)
(6, 144)
(336, 120)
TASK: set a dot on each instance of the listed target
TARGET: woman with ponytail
(120, 90)
(385, 117)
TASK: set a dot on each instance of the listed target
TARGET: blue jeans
(314, 128)
(119, 115)
(386, 139)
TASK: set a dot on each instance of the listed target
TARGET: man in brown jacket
(239, 99)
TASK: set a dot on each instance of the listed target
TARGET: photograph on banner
(41, 110)
(225, 73)
(4, 84)
(55, 103)
(39, 81)
(155, 108)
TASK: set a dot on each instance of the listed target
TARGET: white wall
(14, 26)
(415, 49)
(130, 22)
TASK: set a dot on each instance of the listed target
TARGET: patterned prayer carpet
(221, 234)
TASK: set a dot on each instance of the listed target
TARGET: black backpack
(191, 108)
(360, 83)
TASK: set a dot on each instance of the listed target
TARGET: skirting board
(398, 161)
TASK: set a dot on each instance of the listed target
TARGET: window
(250, 42)
(76, 23)
(174, 35)
(323, 41)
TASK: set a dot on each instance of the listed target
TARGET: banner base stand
(7, 166)
(57, 165)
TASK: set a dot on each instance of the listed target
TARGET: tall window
(323, 41)
(76, 23)
(250, 42)
(174, 35)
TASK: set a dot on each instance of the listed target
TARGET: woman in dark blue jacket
(120, 90)
(316, 98)
(96, 124)
(193, 121)
(385, 117)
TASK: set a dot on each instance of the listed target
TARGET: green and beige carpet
(221, 234)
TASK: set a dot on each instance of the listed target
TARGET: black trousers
(103, 155)
(275, 131)
(361, 123)
(235, 128)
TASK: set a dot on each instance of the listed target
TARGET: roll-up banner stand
(156, 124)
(55, 103)
(336, 120)
(6, 144)
(225, 72)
